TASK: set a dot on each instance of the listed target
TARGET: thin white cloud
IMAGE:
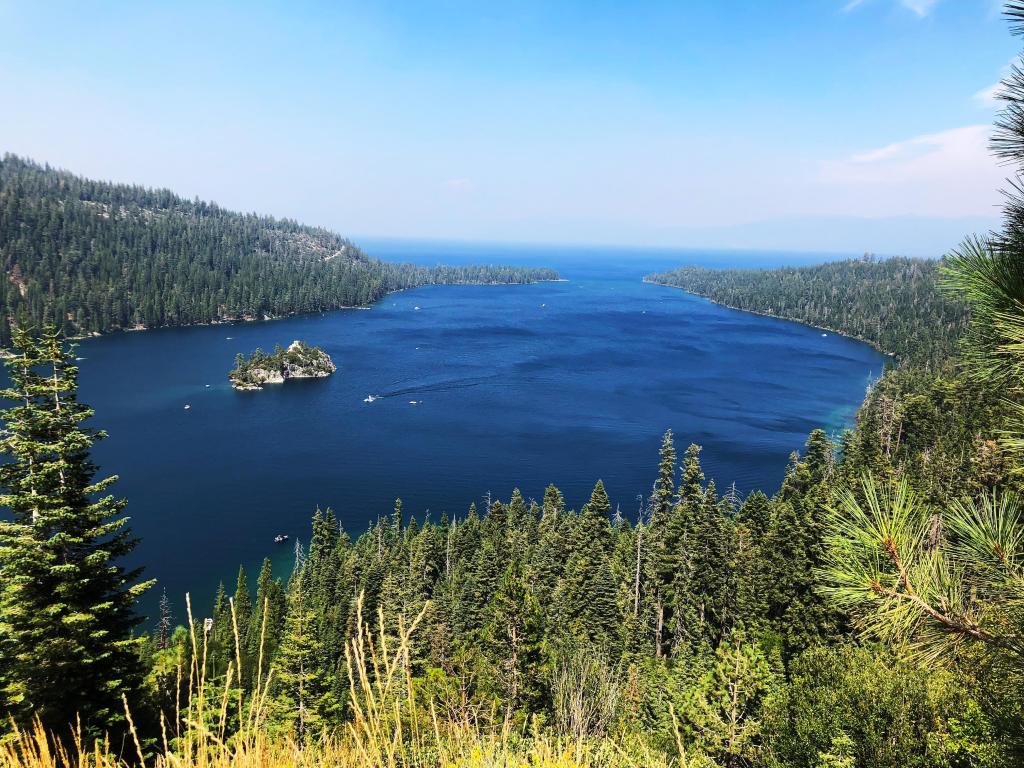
(948, 173)
(986, 97)
(922, 146)
(921, 8)
(459, 185)
(956, 142)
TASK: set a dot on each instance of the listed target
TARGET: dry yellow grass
(389, 728)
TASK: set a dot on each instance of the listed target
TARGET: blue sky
(815, 125)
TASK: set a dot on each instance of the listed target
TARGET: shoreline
(846, 335)
(442, 285)
(240, 320)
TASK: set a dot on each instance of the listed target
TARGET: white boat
(415, 402)
(416, 308)
(824, 334)
(281, 538)
(369, 398)
(187, 406)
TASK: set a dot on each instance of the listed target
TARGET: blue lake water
(514, 386)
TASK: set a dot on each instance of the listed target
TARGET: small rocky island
(298, 361)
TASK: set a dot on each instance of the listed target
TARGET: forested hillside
(892, 303)
(93, 257)
(532, 612)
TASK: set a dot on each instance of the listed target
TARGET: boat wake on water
(421, 389)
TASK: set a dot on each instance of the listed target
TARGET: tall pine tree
(67, 605)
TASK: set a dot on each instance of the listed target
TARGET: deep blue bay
(514, 386)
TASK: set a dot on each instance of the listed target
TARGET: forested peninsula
(93, 257)
(895, 304)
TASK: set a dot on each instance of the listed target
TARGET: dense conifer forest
(894, 303)
(92, 257)
(595, 625)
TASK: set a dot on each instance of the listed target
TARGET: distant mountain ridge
(95, 256)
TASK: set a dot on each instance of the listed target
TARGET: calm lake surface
(514, 386)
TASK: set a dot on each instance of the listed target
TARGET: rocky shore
(297, 361)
